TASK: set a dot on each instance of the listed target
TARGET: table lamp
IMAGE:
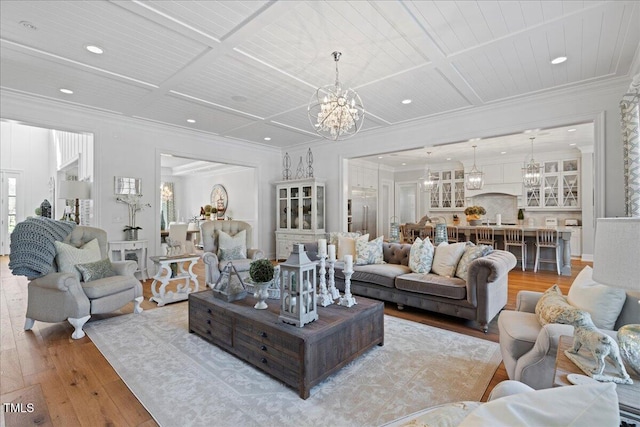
(75, 190)
(616, 263)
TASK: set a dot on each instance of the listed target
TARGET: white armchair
(210, 231)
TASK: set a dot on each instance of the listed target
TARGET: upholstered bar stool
(515, 237)
(452, 234)
(547, 238)
(484, 236)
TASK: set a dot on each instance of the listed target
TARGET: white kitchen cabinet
(559, 189)
(450, 191)
(576, 241)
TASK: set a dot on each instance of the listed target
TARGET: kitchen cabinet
(576, 241)
(559, 189)
(363, 177)
(450, 191)
(300, 213)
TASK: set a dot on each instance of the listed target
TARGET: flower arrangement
(475, 210)
(134, 202)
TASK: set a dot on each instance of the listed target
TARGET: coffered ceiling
(247, 69)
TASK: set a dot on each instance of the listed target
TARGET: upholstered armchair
(225, 241)
(529, 349)
(59, 296)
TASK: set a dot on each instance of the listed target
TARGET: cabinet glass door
(459, 194)
(282, 207)
(551, 190)
(320, 207)
(446, 194)
(570, 190)
(306, 207)
(294, 213)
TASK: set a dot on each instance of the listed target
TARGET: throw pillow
(67, 256)
(421, 256)
(369, 252)
(471, 252)
(552, 307)
(232, 247)
(334, 235)
(446, 258)
(96, 270)
(602, 302)
(347, 245)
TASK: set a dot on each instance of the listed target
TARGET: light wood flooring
(70, 383)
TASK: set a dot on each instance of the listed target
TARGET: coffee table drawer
(261, 348)
(272, 337)
(210, 324)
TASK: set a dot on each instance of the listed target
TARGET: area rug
(182, 380)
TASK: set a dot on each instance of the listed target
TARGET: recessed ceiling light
(448, 158)
(67, 91)
(266, 138)
(379, 157)
(572, 130)
(239, 98)
(503, 152)
(532, 130)
(191, 120)
(28, 25)
(558, 60)
(94, 49)
(474, 139)
(404, 164)
(572, 144)
(406, 101)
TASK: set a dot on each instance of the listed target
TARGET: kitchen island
(468, 233)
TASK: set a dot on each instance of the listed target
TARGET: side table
(165, 276)
(628, 394)
(139, 247)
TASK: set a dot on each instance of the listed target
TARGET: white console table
(119, 248)
(164, 276)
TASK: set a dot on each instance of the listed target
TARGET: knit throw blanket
(32, 247)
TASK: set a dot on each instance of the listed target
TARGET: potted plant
(520, 216)
(261, 272)
(134, 203)
(456, 220)
(474, 213)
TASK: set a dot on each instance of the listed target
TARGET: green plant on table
(261, 270)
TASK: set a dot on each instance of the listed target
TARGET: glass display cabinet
(301, 213)
(560, 187)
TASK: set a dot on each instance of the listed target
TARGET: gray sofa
(480, 298)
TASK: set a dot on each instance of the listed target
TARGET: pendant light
(474, 179)
(531, 172)
(427, 181)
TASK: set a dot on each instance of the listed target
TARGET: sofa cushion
(96, 270)
(471, 252)
(396, 253)
(67, 256)
(432, 284)
(334, 235)
(603, 303)
(379, 274)
(369, 252)
(552, 307)
(421, 255)
(347, 245)
(446, 258)
(232, 247)
(108, 286)
(518, 331)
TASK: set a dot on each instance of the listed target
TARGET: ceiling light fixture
(427, 181)
(406, 101)
(558, 60)
(572, 130)
(94, 49)
(334, 113)
(266, 138)
(28, 25)
(66, 91)
(474, 179)
(531, 171)
(191, 121)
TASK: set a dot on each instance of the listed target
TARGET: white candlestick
(348, 262)
(332, 252)
(322, 247)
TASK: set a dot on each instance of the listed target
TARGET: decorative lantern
(298, 305)
(394, 231)
(441, 231)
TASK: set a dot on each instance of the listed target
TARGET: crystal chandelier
(475, 178)
(427, 181)
(531, 171)
(336, 113)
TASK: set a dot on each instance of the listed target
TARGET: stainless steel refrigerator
(364, 205)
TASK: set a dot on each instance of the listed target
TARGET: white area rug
(183, 380)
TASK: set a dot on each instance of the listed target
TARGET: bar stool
(428, 231)
(515, 237)
(547, 238)
(484, 236)
(452, 234)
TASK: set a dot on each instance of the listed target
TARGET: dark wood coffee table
(299, 357)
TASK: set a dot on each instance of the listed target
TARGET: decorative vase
(261, 294)
(131, 234)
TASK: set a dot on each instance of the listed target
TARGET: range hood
(511, 189)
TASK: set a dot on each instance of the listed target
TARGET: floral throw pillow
(96, 270)
(421, 256)
(232, 247)
(369, 252)
(471, 252)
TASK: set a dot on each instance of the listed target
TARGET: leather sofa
(480, 298)
(529, 349)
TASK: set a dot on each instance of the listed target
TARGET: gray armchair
(56, 297)
(209, 234)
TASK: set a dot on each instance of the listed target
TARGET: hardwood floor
(69, 382)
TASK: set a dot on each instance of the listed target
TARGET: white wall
(129, 147)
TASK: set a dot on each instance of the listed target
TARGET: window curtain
(630, 118)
